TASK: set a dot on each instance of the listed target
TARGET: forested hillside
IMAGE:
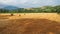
(44, 9)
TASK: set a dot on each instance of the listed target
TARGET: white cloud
(29, 2)
(9, 2)
(22, 1)
(25, 1)
(13, 2)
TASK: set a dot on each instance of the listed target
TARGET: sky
(30, 3)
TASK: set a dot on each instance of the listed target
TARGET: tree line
(44, 9)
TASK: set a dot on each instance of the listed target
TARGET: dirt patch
(4, 16)
(30, 26)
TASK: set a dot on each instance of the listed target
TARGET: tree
(57, 8)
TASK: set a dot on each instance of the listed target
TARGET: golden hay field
(50, 16)
(30, 23)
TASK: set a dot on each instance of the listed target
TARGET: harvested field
(50, 16)
(30, 26)
(32, 23)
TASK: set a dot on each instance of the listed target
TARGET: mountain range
(9, 7)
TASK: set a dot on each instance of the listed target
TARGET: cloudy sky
(30, 3)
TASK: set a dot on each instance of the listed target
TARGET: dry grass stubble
(30, 26)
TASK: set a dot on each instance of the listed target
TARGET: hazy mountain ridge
(14, 9)
(9, 7)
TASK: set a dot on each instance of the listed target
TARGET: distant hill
(9, 7)
(3, 5)
(14, 9)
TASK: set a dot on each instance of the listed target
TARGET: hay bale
(12, 14)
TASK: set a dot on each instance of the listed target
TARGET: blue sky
(30, 3)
